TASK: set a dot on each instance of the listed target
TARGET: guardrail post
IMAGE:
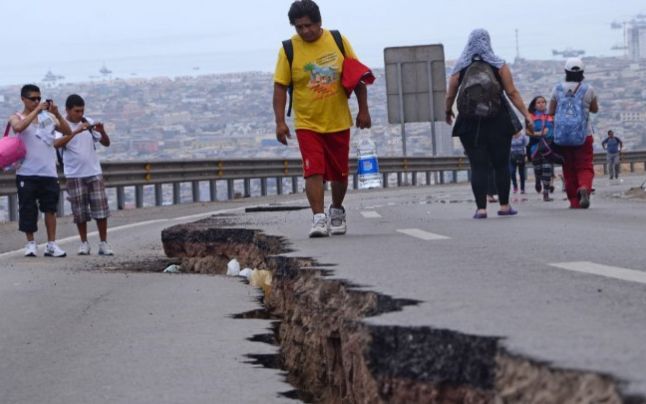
(159, 195)
(632, 167)
(355, 181)
(279, 185)
(263, 186)
(247, 187)
(121, 198)
(605, 169)
(442, 177)
(213, 190)
(195, 187)
(13, 207)
(399, 179)
(139, 196)
(230, 189)
(428, 178)
(455, 177)
(177, 193)
(294, 184)
(385, 181)
(414, 178)
(60, 211)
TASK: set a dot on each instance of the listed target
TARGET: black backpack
(480, 95)
(288, 46)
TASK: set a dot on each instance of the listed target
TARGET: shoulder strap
(544, 126)
(288, 47)
(8, 128)
(339, 40)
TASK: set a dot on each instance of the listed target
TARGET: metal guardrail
(139, 174)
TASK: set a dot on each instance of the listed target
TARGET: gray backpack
(480, 94)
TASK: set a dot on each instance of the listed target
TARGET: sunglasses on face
(35, 99)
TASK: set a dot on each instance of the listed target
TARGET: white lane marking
(215, 212)
(370, 214)
(607, 271)
(130, 226)
(421, 234)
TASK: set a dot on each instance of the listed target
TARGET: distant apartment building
(636, 38)
(632, 116)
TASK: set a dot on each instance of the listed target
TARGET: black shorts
(35, 193)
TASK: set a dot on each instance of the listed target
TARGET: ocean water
(169, 65)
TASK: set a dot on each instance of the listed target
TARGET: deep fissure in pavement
(331, 355)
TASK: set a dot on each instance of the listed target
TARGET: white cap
(574, 65)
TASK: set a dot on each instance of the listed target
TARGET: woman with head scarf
(487, 140)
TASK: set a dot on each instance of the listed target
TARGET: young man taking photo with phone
(36, 178)
(85, 185)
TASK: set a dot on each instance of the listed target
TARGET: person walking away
(517, 160)
(543, 131)
(571, 104)
(323, 119)
(36, 178)
(485, 122)
(82, 169)
(613, 147)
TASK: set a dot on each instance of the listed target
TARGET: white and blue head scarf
(479, 44)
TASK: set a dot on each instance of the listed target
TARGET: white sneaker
(31, 249)
(53, 250)
(84, 248)
(319, 226)
(105, 249)
(337, 221)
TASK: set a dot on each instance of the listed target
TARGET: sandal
(508, 212)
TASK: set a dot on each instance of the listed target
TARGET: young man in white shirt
(36, 178)
(85, 185)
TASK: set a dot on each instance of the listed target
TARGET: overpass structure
(555, 287)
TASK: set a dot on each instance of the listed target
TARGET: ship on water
(105, 71)
(52, 78)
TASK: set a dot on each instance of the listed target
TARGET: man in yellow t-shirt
(323, 119)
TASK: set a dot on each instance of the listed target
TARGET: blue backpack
(570, 119)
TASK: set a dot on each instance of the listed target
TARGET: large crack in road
(332, 356)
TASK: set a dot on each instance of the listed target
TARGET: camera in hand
(49, 103)
(90, 126)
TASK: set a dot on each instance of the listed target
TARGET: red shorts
(325, 154)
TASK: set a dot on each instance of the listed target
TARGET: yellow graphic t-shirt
(320, 103)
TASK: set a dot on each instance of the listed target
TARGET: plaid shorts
(88, 198)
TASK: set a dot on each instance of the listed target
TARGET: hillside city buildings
(230, 115)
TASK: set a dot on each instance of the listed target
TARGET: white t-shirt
(79, 154)
(588, 97)
(38, 138)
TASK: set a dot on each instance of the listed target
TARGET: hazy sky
(139, 35)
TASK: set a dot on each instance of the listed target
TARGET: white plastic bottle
(367, 164)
